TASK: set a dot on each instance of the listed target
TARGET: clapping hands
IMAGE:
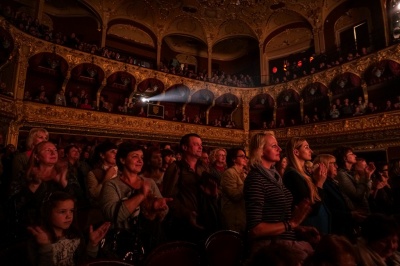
(95, 236)
(41, 236)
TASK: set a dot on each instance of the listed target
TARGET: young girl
(58, 239)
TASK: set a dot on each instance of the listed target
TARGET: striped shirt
(267, 199)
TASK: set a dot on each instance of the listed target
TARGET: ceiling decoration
(209, 21)
(131, 33)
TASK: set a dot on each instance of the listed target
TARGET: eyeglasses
(350, 153)
(242, 156)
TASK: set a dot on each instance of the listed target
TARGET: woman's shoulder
(291, 171)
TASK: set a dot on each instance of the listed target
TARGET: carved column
(209, 62)
(364, 87)
(15, 125)
(13, 133)
(103, 84)
(103, 35)
(159, 43)
(39, 9)
(106, 17)
(246, 120)
(263, 66)
(65, 82)
(21, 71)
(301, 108)
(274, 114)
(319, 40)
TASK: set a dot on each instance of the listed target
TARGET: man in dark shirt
(184, 183)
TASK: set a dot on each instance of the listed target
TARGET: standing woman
(232, 181)
(342, 216)
(153, 166)
(20, 161)
(104, 170)
(126, 199)
(303, 186)
(269, 203)
(217, 163)
(355, 191)
(43, 177)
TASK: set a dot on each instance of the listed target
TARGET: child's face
(63, 214)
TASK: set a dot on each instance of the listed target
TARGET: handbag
(124, 244)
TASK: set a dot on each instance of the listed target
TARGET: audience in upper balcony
(307, 66)
(60, 98)
(292, 70)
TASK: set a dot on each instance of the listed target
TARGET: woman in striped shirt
(268, 202)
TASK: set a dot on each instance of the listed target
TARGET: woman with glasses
(341, 216)
(20, 161)
(44, 175)
(355, 191)
(232, 201)
(269, 215)
(302, 186)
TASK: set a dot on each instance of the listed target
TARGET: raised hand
(300, 212)
(41, 236)
(160, 204)
(370, 169)
(97, 235)
(146, 188)
(193, 220)
(112, 171)
(320, 174)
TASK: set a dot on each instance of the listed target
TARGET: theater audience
(268, 202)
(303, 186)
(341, 215)
(333, 250)
(217, 163)
(191, 192)
(153, 163)
(355, 191)
(232, 200)
(105, 169)
(125, 199)
(381, 198)
(378, 243)
(20, 161)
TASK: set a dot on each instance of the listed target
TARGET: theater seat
(224, 247)
(178, 253)
(105, 262)
(16, 254)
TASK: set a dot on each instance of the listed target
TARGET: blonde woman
(269, 215)
(20, 161)
(217, 163)
(342, 217)
(303, 186)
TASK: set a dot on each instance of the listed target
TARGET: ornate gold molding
(122, 125)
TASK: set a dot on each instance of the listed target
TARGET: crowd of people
(32, 26)
(339, 108)
(122, 200)
(287, 71)
(218, 77)
(83, 100)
